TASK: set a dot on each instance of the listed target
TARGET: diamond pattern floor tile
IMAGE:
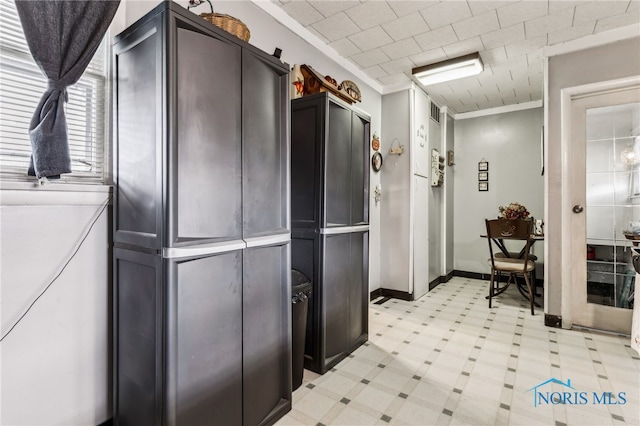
(447, 359)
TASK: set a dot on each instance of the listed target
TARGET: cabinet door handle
(578, 208)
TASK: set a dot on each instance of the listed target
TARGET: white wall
(511, 143)
(436, 207)
(448, 206)
(55, 364)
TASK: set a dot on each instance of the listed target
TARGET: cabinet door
(359, 288)
(204, 333)
(205, 203)
(359, 170)
(307, 133)
(138, 357)
(335, 292)
(337, 172)
(305, 257)
(138, 149)
(266, 333)
(265, 147)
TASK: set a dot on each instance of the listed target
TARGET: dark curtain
(62, 36)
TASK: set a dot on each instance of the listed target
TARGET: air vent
(435, 112)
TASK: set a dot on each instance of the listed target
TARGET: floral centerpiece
(514, 211)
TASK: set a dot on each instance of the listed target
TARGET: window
(21, 87)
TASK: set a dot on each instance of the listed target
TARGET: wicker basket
(226, 22)
(229, 24)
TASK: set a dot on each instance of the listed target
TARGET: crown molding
(499, 110)
(283, 18)
(594, 40)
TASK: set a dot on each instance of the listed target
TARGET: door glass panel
(613, 202)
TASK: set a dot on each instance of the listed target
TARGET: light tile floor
(447, 359)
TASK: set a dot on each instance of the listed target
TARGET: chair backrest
(509, 229)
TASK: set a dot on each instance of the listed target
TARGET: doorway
(605, 207)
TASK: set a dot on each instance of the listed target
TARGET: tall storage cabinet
(201, 226)
(330, 222)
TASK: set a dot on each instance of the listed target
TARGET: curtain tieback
(59, 86)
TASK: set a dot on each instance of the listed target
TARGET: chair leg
(527, 278)
(491, 284)
(535, 282)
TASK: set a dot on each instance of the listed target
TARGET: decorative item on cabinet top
(314, 82)
(226, 22)
(297, 82)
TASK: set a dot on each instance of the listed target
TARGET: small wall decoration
(483, 165)
(375, 142)
(376, 162)
(450, 158)
(483, 176)
(398, 150)
(422, 136)
(483, 186)
(437, 168)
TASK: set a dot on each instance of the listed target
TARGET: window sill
(67, 194)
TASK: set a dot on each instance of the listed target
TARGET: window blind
(21, 87)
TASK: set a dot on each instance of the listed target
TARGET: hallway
(447, 359)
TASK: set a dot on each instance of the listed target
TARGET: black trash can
(300, 292)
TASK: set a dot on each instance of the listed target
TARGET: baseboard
(441, 279)
(108, 422)
(553, 320)
(474, 275)
(394, 294)
(403, 295)
(433, 284)
(448, 276)
(375, 294)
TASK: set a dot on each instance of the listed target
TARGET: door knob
(578, 208)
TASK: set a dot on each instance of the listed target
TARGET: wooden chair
(499, 231)
(532, 257)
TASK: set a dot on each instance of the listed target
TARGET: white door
(420, 237)
(605, 205)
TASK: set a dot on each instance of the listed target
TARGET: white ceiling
(386, 39)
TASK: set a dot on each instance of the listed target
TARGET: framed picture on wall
(483, 176)
(483, 186)
(483, 165)
(376, 162)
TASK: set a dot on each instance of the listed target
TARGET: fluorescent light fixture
(464, 66)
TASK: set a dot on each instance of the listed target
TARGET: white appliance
(411, 228)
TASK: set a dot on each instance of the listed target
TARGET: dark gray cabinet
(201, 226)
(330, 218)
(337, 321)
(329, 163)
